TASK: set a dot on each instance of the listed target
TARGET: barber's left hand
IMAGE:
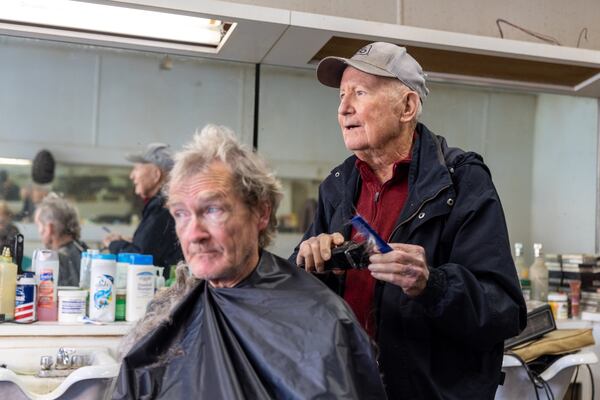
(110, 238)
(404, 266)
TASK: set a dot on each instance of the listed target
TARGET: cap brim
(135, 158)
(331, 69)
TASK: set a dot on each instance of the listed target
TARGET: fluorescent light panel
(14, 161)
(112, 20)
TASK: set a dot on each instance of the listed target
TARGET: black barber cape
(278, 334)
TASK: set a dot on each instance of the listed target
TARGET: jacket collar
(427, 176)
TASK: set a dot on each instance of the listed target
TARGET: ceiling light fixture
(114, 21)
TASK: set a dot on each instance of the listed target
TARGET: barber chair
(558, 375)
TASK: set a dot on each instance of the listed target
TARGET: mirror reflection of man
(246, 324)
(57, 221)
(156, 232)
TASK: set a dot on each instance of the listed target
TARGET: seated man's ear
(264, 216)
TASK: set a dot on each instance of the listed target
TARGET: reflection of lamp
(14, 161)
(122, 22)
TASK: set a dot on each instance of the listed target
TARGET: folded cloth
(561, 341)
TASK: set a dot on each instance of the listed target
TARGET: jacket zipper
(417, 211)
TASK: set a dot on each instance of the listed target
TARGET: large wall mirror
(91, 105)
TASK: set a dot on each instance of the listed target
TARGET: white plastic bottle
(102, 287)
(123, 263)
(45, 265)
(140, 286)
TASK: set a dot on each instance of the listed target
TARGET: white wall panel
(298, 129)
(139, 102)
(46, 93)
(564, 174)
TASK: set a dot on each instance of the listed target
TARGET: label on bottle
(25, 303)
(145, 284)
(103, 291)
(46, 289)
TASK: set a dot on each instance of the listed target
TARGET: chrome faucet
(63, 358)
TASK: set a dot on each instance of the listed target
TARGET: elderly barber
(441, 303)
(156, 232)
(58, 225)
(246, 324)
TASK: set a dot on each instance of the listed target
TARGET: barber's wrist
(435, 289)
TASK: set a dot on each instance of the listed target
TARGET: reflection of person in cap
(156, 232)
(441, 303)
(9, 190)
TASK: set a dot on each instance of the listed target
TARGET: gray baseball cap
(155, 153)
(381, 59)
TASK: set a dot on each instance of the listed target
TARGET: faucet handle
(46, 362)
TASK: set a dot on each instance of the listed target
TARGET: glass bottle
(538, 274)
(522, 268)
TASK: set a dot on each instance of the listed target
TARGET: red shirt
(380, 205)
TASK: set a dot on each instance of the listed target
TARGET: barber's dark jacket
(154, 235)
(447, 343)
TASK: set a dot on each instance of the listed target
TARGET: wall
(298, 129)
(564, 174)
(91, 105)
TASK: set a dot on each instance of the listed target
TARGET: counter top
(53, 328)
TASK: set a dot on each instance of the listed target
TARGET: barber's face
(217, 231)
(369, 111)
(145, 178)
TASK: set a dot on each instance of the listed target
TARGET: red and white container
(26, 296)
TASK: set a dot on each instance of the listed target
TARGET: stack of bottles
(106, 282)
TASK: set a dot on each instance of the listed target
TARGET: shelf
(52, 328)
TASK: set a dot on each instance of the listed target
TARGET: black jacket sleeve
(474, 295)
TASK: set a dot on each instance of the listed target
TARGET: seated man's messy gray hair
(256, 185)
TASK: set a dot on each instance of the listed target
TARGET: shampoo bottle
(140, 286)
(45, 264)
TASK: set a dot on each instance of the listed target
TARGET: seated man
(246, 324)
(58, 225)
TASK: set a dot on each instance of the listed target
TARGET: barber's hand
(404, 266)
(111, 237)
(313, 252)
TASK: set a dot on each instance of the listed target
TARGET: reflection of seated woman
(8, 230)
(58, 225)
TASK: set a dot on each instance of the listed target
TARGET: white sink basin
(18, 381)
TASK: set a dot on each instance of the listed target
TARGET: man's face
(217, 231)
(369, 110)
(44, 231)
(145, 178)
